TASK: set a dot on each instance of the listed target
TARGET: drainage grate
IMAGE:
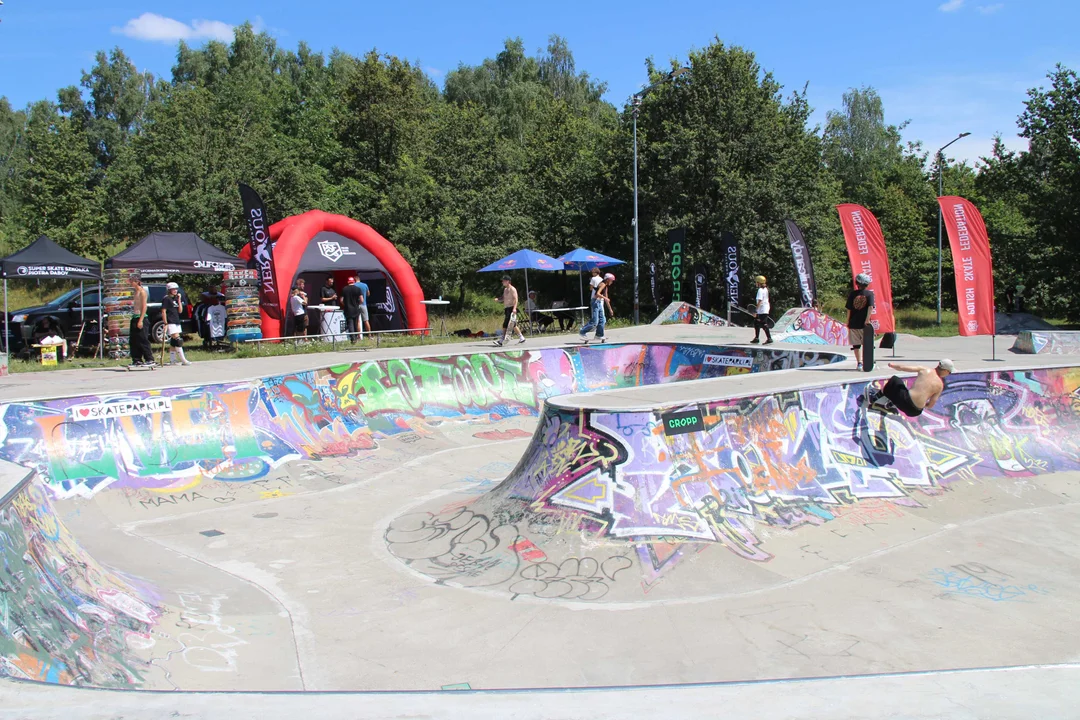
(211, 533)
(263, 516)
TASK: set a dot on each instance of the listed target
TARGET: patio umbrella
(524, 260)
(582, 259)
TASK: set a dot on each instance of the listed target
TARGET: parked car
(66, 311)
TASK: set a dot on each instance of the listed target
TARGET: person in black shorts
(924, 392)
(860, 303)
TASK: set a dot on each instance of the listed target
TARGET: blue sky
(947, 66)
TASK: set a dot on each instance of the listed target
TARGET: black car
(66, 311)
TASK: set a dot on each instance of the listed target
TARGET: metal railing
(335, 337)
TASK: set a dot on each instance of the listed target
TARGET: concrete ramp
(116, 467)
(1060, 342)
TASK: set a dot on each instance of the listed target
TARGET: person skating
(510, 308)
(141, 352)
(170, 315)
(924, 392)
(860, 304)
(761, 310)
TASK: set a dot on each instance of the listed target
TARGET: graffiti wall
(682, 313)
(608, 497)
(1047, 343)
(810, 327)
(65, 618)
(172, 440)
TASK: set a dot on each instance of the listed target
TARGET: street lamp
(941, 162)
(635, 105)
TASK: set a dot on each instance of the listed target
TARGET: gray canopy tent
(43, 258)
(175, 252)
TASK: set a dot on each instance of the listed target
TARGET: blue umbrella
(524, 260)
(582, 259)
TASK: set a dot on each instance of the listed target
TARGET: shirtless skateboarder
(924, 393)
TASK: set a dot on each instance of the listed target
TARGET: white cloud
(951, 6)
(991, 9)
(157, 28)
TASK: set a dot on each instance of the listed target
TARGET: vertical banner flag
(701, 286)
(730, 255)
(972, 265)
(866, 251)
(676, 241)
(262, 251)
(804, 268)
(652, 282)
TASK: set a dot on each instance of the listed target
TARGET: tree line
(523, 151)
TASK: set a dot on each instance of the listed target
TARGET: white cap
(172, 286)
(947, 365)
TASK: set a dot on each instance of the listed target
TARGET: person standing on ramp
(141, 352)
(170, 314)
(762, 321)
(860, 303)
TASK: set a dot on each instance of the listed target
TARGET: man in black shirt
(860, 303)
(170, 315)
(352, 297)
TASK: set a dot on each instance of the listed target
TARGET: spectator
(543, 320)
(352, 300)
(298, 310)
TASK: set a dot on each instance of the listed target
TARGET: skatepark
(466, 531)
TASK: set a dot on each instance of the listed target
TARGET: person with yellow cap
(762, 321)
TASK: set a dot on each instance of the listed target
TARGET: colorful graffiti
(65, 619)
(1032, 342)
(683, 313)
(809, 326)
(170, 441)
(624, 488)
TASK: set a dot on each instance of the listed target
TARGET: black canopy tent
(175, 252)
(43, 258)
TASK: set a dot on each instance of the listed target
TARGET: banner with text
(676, 247)
(972, 264)
(701, 286)
(262, 251)
(866, 251)
(729, 252)
(804, 268)
(652, 283)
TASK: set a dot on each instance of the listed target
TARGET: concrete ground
(300, 593)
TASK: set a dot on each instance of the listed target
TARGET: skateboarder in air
(510, 307)
(860, 303)
(924, 393)
(761, 318)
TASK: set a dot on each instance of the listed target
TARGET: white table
(552, 311)
(442, 316)
(332, 323)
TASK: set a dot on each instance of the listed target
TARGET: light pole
(940, 165)
(635, 105)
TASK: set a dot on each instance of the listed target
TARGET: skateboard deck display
(243, 316)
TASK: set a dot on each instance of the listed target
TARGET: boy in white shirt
(762, 321)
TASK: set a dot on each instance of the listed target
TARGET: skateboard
(868, 348)
(129, 368)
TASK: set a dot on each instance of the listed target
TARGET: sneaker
(769, 341)
(185, 362)
(858, 366)
(521, 341)
(497, 343)
(755, 341)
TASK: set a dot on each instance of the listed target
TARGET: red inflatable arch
(323, 242)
